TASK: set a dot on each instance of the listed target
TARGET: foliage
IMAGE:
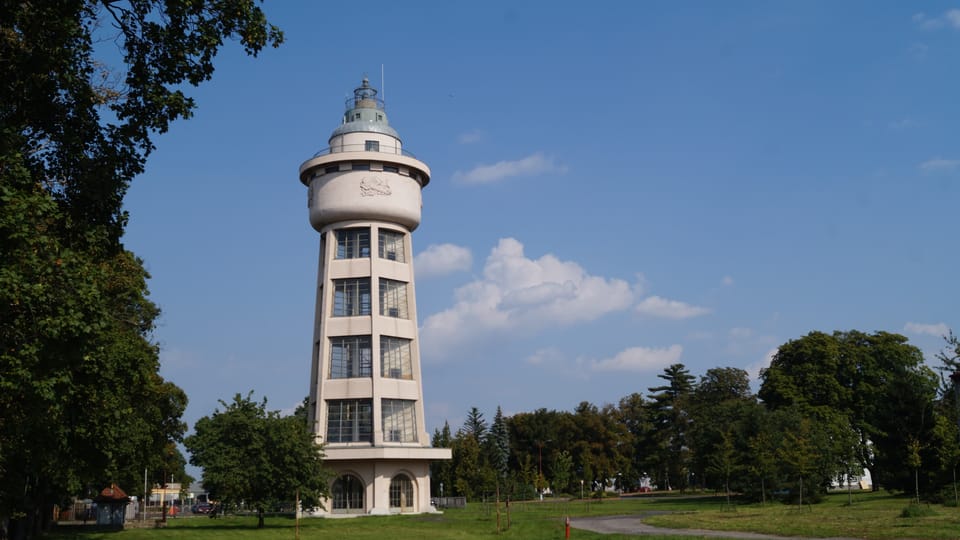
(829, 405)
(874, 392)
(917, 511)
(670, 416)
(498, 444)
(82, 404)
(254, 456)
(475, 426)
(441, 471)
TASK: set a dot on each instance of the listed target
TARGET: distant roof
(112, 494)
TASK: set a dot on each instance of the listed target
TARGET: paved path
(635, 525)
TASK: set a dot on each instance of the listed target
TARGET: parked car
(202, 508)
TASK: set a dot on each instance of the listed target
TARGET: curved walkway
(634, 525)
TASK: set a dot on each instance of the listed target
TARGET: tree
(634, 414)
(78, 369)
(762, 459)
(473, 477)
(441, 471)
(562, 470)
(798, 452)
(719, 408)
(498, 442)
(671, 420)
(475, 426)
(875, 385)
(723, 462)
(257, 457)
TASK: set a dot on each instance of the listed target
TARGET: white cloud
(441, 259)
(640, 359)
(727, 281)
(517, 296)
(549, 355)
(940, 165)
(753, 370)
(927, 23)
(656, 306)
(938, 329)
(470, 137)
(531, 165)
(950, 18)
(953, 18)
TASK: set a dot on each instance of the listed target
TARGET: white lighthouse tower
(366, 392)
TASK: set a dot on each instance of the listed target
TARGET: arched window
(401, 493)
(347, 495)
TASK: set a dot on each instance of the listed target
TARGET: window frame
(389, 238)
(352, 297)
(351, 357)
(349, 420)
(393, 298)
(352, 243)
(398, 420)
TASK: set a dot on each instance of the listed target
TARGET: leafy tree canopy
(257, 457)
(81, 402)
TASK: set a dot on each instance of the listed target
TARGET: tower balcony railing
(367, 101)
(364, 148)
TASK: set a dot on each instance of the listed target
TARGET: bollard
(566, 533)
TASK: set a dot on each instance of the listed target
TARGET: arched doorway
(401, 494)
(347, 494)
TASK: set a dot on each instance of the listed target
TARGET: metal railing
(364, 148)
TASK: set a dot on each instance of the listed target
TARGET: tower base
(380, 481)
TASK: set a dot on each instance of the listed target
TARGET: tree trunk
(916, 483)
(259, 517)
(801, 493)
(956, 502)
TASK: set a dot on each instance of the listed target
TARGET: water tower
(366, 391)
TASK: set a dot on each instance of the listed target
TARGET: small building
(111, 506)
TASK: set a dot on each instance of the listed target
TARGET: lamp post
(581, 489)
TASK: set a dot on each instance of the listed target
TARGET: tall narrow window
(371, 146)
(395, 358)
(391, 245)
(393, 298)
(349, 420)
(399, 420)
(351, 297)
(353, 243)
(401, 493)
(347, 494)
(351, 356)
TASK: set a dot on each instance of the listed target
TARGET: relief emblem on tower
(372, 186)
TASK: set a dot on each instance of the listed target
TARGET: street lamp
(581, 489)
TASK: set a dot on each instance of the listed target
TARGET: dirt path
(635, 525)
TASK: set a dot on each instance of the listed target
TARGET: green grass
(873, 515)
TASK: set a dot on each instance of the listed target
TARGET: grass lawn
(872, 515)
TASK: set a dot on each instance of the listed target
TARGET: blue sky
(617, 186)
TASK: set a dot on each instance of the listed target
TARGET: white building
(366, 392)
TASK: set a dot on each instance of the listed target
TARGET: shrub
(917, 511)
